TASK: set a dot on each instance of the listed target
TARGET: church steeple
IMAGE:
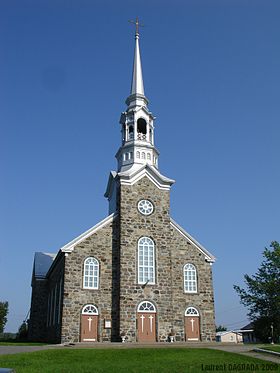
(137, 85)
(137, 156)
(137, 122)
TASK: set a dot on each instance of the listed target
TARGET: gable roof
(248, 327)
(70, 245)
(42, 263)
(136, 173)
(208, 256)
(219, 334)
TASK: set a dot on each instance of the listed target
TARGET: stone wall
(133, 226)
(115, 247)
(103, 246)
(173, 251)
(183, 252)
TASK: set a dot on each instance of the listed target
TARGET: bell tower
(137, 124)
(137, 153)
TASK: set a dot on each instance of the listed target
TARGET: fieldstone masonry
(58, 295)
(118, 295)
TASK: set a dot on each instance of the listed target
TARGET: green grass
(275, 348)
(160, 360)
(22, 344)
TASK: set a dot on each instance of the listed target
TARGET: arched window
(137, 154)
(89, 309)
(191, 311)
(143, 155)
(141, 126)
(124, 132)
(149, 156)
(130, 131)
(146, 307)
(146, 261)
(91, 273)
(190, 280)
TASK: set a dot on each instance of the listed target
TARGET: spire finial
(137, 25)
(137, 86)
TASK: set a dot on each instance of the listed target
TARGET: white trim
(187, 281)
(89, 339)
(151, 246)
(160, 181)
(193, 339)
(208, 256)
(69, 247)
(190, 314)
(95, 264)
(148, 311)
(95, 310)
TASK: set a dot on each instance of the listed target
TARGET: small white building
(229, 336)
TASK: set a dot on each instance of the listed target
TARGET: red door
(146, 325)
(192, 328)
(89, 328)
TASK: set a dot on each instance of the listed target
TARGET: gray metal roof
(42, 263)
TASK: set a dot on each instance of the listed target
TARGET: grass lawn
(275, 348)
(22, 344)
(175, 360)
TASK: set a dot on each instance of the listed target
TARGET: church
(137, 275)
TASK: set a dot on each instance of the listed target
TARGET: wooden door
(89, 328)
(146, 325)
(192, 328)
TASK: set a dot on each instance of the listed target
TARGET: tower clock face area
(145, 207)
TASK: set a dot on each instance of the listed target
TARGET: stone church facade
(136, 275)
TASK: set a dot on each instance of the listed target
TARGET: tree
(221, 328)
(4, 309)
(262, 297)
(22, 331)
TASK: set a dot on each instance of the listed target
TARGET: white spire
(137, 86)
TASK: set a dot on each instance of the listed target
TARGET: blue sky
(211, 73)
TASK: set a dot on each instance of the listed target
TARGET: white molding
(69, 247)
(160, 181)
(208, 256)
(192, 315)
(147, 311)
(95, 313)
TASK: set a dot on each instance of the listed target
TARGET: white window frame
(90, 309)
(94, 276)
(145, 207)
(191, 311)
(190, 278)
(146, 261)
(146, 306)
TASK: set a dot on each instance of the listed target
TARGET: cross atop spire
(137, 24)
(137, 94)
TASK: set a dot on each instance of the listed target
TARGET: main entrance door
(192, 324)
(146, 322)
(89, 323)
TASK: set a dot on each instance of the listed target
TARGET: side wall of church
(103, 246)
(55, 297)
(38, 311)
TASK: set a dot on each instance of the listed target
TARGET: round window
(145, 207)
